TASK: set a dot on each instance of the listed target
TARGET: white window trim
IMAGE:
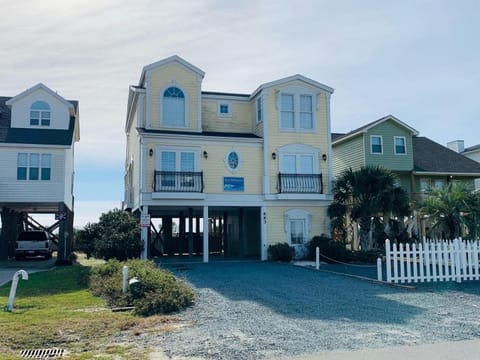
(223, 103)
(395, 145)
(177, 150)
(40, 167)
(185, 94)
(297, 91)
(240, 160)
(371, 144)
(299, 150)
(297, 214)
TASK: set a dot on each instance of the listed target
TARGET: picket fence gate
(442, 260)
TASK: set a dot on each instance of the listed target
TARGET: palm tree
(452, 210)
(365, 194)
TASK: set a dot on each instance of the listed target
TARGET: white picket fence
(443, 260)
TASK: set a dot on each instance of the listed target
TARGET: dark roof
(336, 136)
(224, 94)
(471, 148)
(33, 136)
(429, 156)
(203, 133)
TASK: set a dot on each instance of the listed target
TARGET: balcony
(300, 183)
(178, 181)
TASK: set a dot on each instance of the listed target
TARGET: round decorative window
(232, 160)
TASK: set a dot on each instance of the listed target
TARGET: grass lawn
(53, 309)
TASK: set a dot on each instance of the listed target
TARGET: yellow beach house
(213, 173)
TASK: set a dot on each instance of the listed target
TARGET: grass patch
(55, 309)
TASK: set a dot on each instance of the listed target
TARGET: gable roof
(33, 136)
(163, 62)
(34, 88)
(291, 78)
(365, 128)
(431, 157)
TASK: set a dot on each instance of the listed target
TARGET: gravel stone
(253, 310)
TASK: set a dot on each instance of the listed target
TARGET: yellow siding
(240, 121)
(276, 223)
(277, 138)
(171, 75)
(214, 168)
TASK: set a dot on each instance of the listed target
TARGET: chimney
(456, 145)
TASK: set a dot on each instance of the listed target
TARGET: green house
(420, 163)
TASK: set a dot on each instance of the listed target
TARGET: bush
(115, 236)
(328, 247)
(157, 292)
(281, 252)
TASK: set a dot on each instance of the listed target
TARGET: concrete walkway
(457, 350)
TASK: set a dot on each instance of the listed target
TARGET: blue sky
(417, 60)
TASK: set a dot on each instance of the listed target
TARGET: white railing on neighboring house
(443, 260)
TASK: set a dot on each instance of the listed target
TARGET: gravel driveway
(258, 310)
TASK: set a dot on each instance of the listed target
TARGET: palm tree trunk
(364, 233)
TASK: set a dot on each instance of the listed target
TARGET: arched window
(173, 107)
(40, 114)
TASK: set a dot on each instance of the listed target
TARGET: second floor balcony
(178, 181)
(300, 183)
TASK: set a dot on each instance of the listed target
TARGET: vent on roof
(42, 353)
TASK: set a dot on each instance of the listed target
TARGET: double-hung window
(287, 114)
(376, 144)
(34, 166)
(296, 111)
(400, 145)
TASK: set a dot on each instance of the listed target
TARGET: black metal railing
(178, 181)
(300, 183)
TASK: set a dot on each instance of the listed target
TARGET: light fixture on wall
(205, 154)
(274, 156)
(324, 157)
(150, 152)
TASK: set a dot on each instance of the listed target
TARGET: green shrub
(157, 292)
(328, 247)
(281, 252)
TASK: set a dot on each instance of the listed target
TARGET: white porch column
(263, 233)
(144, 235)
(205, 234)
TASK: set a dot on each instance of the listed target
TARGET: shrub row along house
(38, 130)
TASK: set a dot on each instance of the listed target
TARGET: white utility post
(13, 289)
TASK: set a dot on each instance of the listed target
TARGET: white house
(38, 131)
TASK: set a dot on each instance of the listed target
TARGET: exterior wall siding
(59, 113)
(173, 75)
(318, 138)
(31, 191)
(388, 159)
(239, 122)
(348, 154)
(276, 216)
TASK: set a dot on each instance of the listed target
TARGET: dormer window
(173, 107)
(40, 114)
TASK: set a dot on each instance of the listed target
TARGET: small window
(40, 114)
(224, 110)
(259, 110)
(400, 145)
(377, 144)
